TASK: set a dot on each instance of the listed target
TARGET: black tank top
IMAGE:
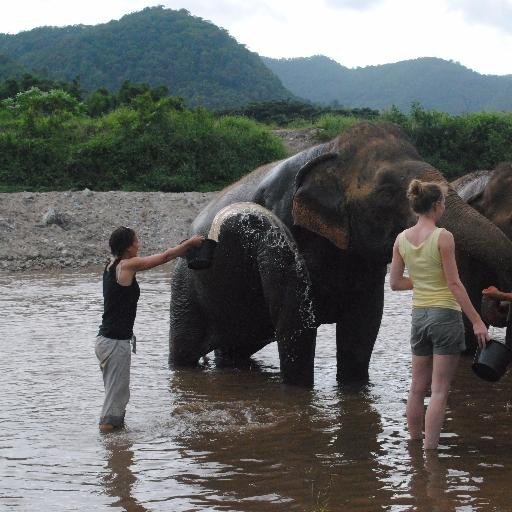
(119, 306)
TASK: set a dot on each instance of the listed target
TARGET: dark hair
(423, 195)
(120, 240)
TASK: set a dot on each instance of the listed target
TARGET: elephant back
(271, 186)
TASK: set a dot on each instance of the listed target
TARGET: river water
(227, 440)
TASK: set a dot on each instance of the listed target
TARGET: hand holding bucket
(491, 362)
(201, 256)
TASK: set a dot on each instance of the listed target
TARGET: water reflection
(278, 445)
(119, 480)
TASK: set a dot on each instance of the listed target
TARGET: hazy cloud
(359, 5)
(227, 11)
(497, 13)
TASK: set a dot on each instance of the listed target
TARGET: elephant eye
(387, 197)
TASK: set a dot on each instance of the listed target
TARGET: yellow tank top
(425, 268)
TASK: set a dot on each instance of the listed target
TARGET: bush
(47, 141)
(457, 144)
(330, 125)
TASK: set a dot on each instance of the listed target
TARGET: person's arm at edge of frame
(494, 293)
(397, 280)
(451, 273)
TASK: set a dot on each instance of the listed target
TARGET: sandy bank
(71, 229)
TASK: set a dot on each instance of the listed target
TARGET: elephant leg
(188, 331)
(357, 329)
(286, 288)
(297, 357)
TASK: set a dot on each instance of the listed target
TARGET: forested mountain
(192, 57)
(9, 68)
(435, 83)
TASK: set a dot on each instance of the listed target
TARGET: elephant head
(355, 196)
(490, 193)
(495, 200)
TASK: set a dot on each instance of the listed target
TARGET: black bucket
(201, 257)
(491, 363)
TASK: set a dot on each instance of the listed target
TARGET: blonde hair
(423, 195)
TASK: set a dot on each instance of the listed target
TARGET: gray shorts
(437, 331)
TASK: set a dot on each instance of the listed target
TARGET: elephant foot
(298, 378)
(182, 359)
(224, 359)
(297, 358)
(353, 373)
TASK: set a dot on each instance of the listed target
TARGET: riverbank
(56, 230)
(53, 230)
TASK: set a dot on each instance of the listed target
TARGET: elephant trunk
(475, 235)
(479, 238)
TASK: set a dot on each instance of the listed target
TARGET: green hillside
(192, 57)
(9, 68)
(435, 83)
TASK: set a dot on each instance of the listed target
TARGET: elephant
(257, 290)
(490, 193)
(343, 203)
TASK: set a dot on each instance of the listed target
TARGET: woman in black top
(120, 294)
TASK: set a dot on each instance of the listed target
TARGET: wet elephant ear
(319, 202)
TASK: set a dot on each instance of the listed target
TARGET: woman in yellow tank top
(437, 331)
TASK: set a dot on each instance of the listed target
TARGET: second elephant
(490, 193)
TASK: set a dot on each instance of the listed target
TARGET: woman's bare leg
(420, 383)
(444, 367)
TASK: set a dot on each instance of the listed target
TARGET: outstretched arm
(397, 280)
(132, 265)
(451, 273)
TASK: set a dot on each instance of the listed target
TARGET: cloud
(496, 13)
(359, 5)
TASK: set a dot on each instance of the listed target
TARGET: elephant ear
(471, 187)
(319, 200)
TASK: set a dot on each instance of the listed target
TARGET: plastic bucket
(491, 362)
(201, 257)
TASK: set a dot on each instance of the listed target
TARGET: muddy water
(232, 440)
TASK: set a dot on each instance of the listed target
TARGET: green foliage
(191, 57)
(330, 125)
(142, 139)
(47, 140)
(296, 113)
(12, 85)
(457, 144)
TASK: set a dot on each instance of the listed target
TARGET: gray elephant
(257, 291)
(343, 202)
(490, 193)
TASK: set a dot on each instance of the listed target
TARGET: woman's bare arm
(132, 265)
(397, 280)
(451, 273)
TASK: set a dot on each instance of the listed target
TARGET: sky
(355, 33)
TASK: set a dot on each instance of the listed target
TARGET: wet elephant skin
(343, 203)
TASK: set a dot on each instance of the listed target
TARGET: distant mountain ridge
(206, 66)
(194, 58)
(435, 83)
